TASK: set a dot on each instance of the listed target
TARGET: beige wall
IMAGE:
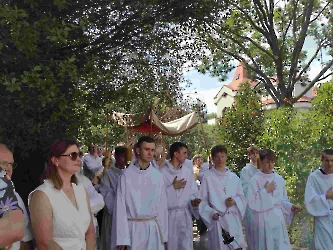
(222, 102)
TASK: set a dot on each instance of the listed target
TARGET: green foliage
(241, 126)
(321, 117)
(64, 61)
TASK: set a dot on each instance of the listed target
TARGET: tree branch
(307, 65)
(316, 79)
(320, 12)
(270, 91)
(290, 22)
(268, 83)
(250, 40)
(324, 77)
(261, 13)
(253, 24)
(300, 42)
(271, 14)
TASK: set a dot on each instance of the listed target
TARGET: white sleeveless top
(69, 224)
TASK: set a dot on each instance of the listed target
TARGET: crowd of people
(87, 202)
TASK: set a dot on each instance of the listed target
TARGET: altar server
(222, 203)
(319, 201)
(140, 216)
(271, 208)
(182, 195)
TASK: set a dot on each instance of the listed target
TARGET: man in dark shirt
(11, 216)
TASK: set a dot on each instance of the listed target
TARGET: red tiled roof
(302, 99)
(240, 77)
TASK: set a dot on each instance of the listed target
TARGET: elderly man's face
(6, 161)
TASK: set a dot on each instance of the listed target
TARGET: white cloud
(205, 95)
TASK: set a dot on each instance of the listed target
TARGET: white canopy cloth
(149, 122)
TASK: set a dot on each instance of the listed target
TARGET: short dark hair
(267, 153)
(218, 149)
(175, 147)
(120, 150)
(327, 152)
(142, 139)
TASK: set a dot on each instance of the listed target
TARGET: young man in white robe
(140, 216)
(319, 201)
(108, 189)
(270, 207)
(245, 176)
(182, 193)
(222, 203)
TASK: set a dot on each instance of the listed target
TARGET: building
(226, 95)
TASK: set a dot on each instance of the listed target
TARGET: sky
(206, 87)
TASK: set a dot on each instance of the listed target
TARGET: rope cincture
(150, 219)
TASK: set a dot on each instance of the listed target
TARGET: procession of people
(152, 203)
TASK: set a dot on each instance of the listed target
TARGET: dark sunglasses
(73, 155)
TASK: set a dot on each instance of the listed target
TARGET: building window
(224, 94)
(237, 77)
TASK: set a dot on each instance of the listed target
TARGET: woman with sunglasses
(60, 210)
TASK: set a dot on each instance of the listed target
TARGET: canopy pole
(203, 135)
(107, 151)
(107, 128)
(151, 123)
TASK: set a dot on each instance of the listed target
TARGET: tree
(64, 61)
(268, 38)
(321, 117)
(241, 126)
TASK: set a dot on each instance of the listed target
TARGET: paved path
(199, 243)
(202, 243)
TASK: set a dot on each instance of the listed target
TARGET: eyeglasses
(7, 164)
(73, 155)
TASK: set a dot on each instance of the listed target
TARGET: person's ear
(55, 161)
